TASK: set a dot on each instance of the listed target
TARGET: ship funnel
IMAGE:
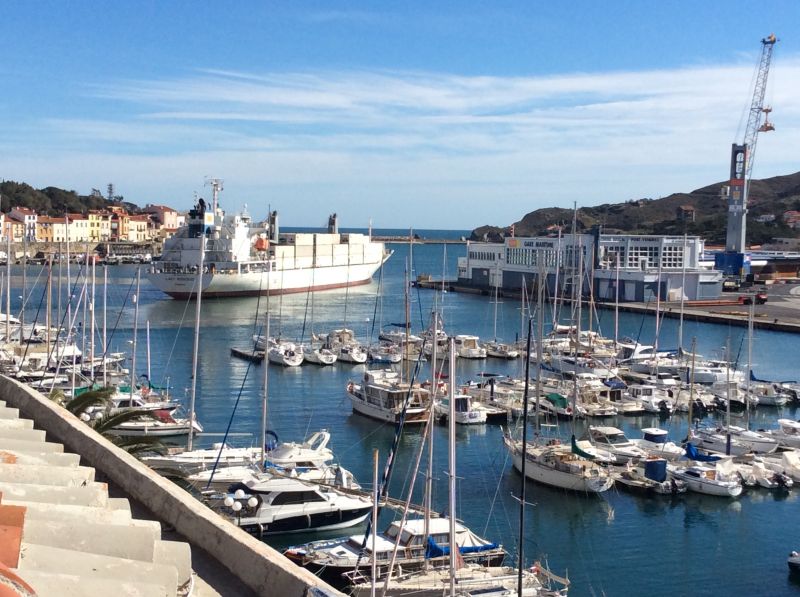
(273, 230)
(333, 224)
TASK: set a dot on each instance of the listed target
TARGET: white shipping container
(324, 261)
(304, 262)
(303, 239)
(328, 239)
(304, 251)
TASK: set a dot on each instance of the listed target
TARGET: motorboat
(466, 412)
(653, 399)
(708, 480)
(743, 441)
(272, 505)
(468, 347)
(381, 395)
(613, 441)
(333, 557)
(765, 394)
(559, 465)
(649, 477)
(794, 562)
(787, 434)
(655, 442)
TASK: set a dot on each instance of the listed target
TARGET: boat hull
(182, 285)
(327, 520)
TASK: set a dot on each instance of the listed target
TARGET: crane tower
(742, 156)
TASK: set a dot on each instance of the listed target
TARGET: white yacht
(501, 350)
(709, 480)
(381, 395)
(743, 441)
(655, 442)
(787, 434)
(283, 505)
(613, 441)
(468, 347)
(653, 399)
(467, 411)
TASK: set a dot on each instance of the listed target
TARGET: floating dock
(254, 356)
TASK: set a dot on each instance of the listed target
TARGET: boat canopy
(557, 400)
(579, 452)
(692, 453)
(434, 550)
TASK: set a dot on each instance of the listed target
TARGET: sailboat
(466, 578)
(554, 463)
(495, 348)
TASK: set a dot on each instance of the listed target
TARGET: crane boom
(742, 155)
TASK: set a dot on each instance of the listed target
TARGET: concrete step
(131, 542)
(71, 585)
(59, 459)
(29, 445)
(29, 435)
(178, 554)
(16, 424)
(76, 476)
(61, 512)
(95, 567)
(93, 494)
(6, 412)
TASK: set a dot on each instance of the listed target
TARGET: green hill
(53, 201)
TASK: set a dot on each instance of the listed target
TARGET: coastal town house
(138, 228)
(78, 231)
(51, 230)
(99, 225)
(28, 218)
(13, 230)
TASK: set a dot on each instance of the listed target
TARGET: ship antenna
(216, 187)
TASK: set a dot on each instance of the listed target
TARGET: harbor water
(613, 544)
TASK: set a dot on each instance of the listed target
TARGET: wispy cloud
(506, 144)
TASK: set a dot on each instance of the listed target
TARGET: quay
(419, 240)
(780, 313)
(64, 534)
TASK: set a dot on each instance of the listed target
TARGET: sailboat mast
(264, 402)
(91, 322)
(750, 317)
(683, 295)
(135, 334)
(431, 416)
(451, 420)
(728, 398)
(105, 327)
(196, 348)
(525, 452)
(616, 305)
(375, 500)
(8, 283)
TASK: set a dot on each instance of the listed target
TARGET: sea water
(611, 544)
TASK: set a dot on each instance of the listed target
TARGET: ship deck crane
(742, 156)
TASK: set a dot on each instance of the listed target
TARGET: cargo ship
(240, 258)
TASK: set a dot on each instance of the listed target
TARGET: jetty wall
(257, 565)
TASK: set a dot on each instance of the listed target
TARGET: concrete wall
(256, 564)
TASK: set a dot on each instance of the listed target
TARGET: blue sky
(431, 115)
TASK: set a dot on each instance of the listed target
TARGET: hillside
(54, 201)
(660, 216)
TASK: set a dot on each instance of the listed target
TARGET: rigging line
(52, 349)
(230, 420)
(174, 342)
(35, 320)
(119, 316)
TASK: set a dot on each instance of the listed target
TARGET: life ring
(270, 445)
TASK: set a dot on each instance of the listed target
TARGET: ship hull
(224, 285)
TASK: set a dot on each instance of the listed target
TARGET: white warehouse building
(640, 265)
